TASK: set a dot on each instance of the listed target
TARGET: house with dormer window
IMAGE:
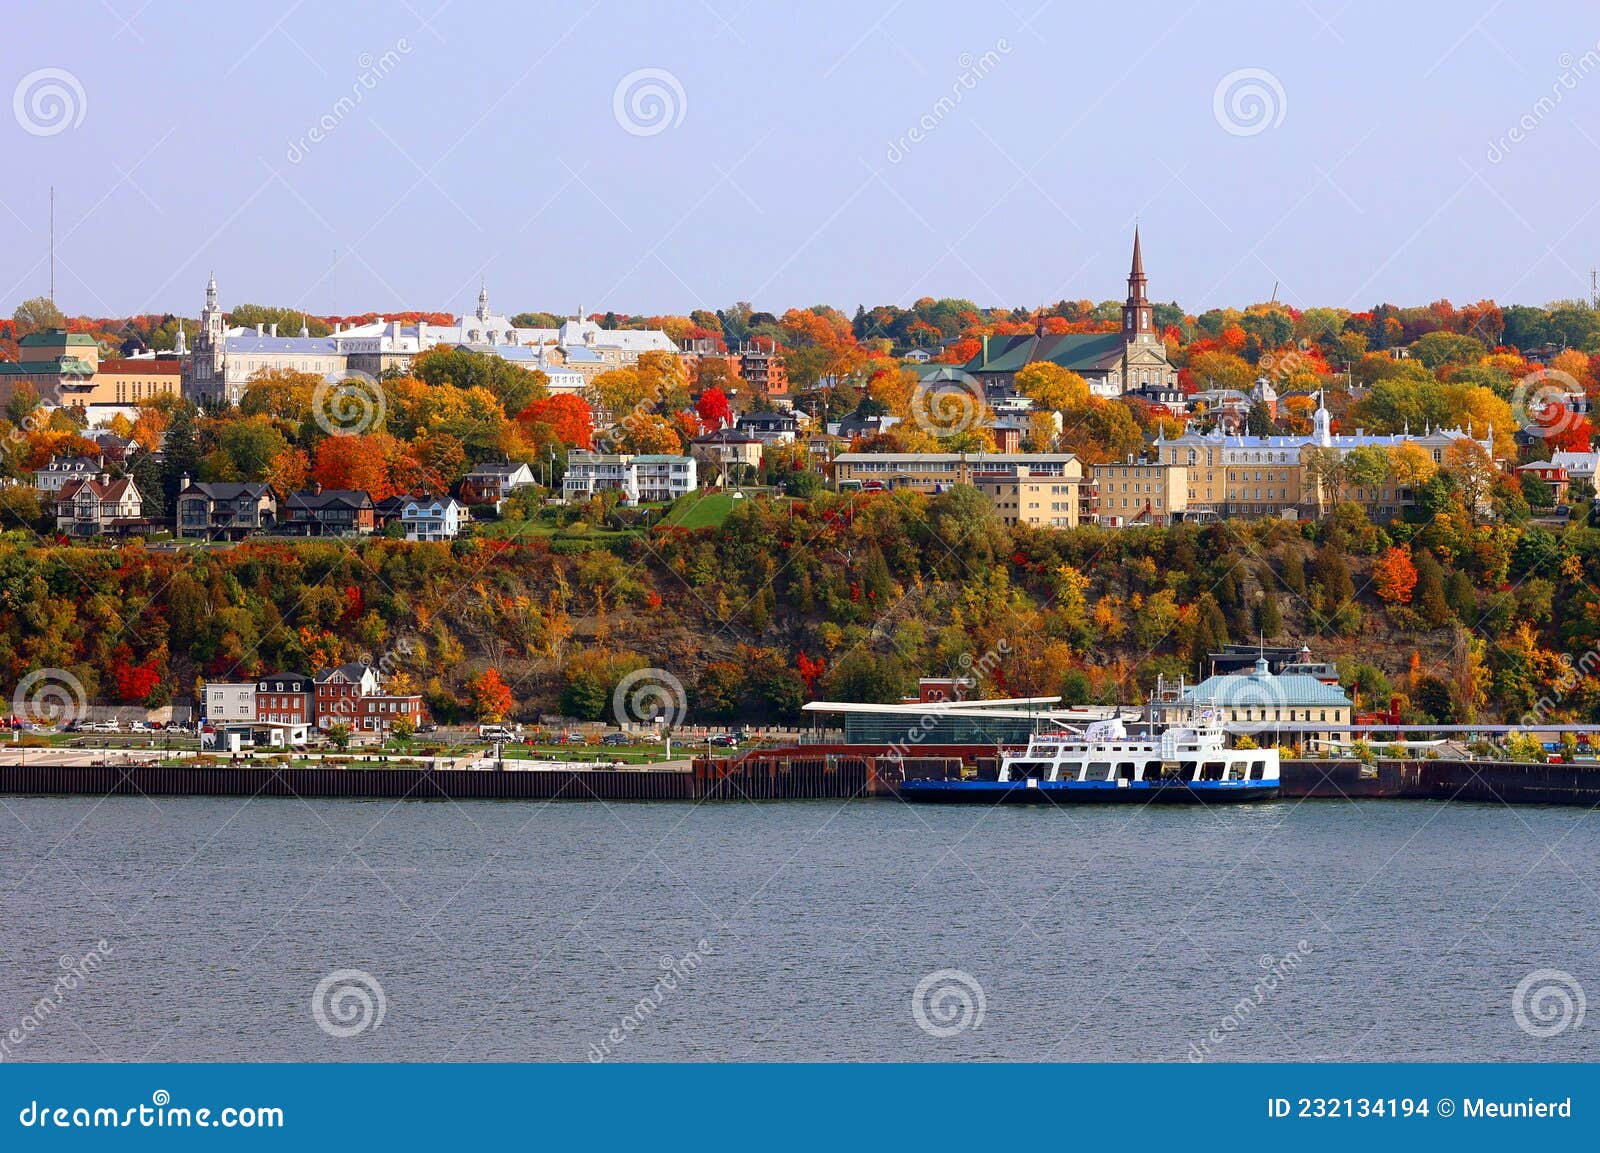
(91, 506)
(431, 518)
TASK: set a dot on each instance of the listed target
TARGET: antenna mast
(52, 244)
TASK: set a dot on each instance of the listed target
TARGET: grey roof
(308, 345)
(351, 670)
(226, 490)
(306, 498)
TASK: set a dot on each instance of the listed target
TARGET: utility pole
(52, 244)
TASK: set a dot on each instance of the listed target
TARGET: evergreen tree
(147, 478)
(1460, 596)
(181, 453)
(1269, 618)
(1429, 596)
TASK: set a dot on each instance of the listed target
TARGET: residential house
(1552, 474)
(339, 688)
(491, 483)
(285, 699)
(648, 477)
(725, 448)
(329, 512)
(431, 518)
(1580, 466)
(91, 506)
(60, 469)
(663, 477)
(771, 427)
(224, 510)
(387, 511)
(229, 702)
(353, 694)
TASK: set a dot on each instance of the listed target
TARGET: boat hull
(1088, 792)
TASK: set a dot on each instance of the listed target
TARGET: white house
(230, 702)
(431, 518)
(651, 477)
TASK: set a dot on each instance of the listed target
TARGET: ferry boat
(1169, 761)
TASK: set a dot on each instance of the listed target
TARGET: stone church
(1113, 363)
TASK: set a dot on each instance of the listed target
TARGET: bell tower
(1138, 324)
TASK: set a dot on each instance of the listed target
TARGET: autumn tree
(491, 697)
(713, 409)
(1052, 387)
(1394, 576)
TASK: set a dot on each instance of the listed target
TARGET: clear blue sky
(492, 148)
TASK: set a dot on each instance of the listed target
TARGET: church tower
(1138, 324)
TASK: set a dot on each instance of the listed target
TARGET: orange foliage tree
(1394, 576)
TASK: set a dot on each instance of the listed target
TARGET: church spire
(1137, 321)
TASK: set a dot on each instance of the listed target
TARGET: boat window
(1212, 771)
(1022, 770)
(1238, 770)
(1258, 770)
(1099, 771)
(1125, 770)
(1152, 770)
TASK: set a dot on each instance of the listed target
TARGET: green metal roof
(1074, 351)
(60, 366)
(56, 336)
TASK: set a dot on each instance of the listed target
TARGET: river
(1316, 930)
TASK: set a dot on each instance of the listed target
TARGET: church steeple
(1137, 321)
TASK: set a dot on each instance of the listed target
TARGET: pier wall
(799, 773)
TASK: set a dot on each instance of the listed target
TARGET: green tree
(37, 314)
(181, 452)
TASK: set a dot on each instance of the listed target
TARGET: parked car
(616, 739)
(140, 727)
(723, 741)
(102, 727)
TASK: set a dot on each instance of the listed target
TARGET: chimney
(985, 361)
(394, 329)
(422, 333)
(274, 328)
(183, 484)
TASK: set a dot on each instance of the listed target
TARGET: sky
(657, 158)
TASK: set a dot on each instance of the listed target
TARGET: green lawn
(701, 510)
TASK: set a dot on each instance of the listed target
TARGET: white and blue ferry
(1168, 761)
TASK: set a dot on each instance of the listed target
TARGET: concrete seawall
(806, 772)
